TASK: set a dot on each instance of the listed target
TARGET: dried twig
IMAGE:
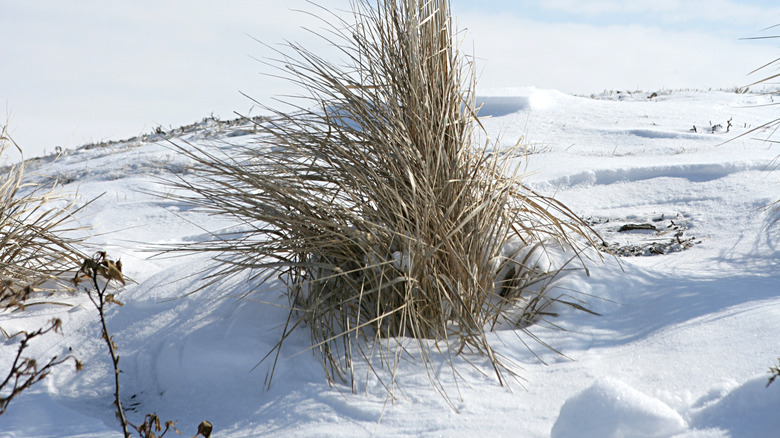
(96, 270)
(774, 373)
(25, 371)
(99, 271)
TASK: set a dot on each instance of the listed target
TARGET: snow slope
(682, 346)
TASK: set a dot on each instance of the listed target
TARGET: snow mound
(746, 411)
(502, 102)
(612, 409)
(497, 106)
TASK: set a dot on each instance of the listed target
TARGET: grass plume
(381, 204)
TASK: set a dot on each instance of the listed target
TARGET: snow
(614, 409)
(681, 347)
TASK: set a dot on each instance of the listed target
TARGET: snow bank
(612, 409)
(681, 348)
(749, 410)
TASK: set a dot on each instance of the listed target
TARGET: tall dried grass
(771, 79)
(772, 127)
(35, 253)
(378, 207)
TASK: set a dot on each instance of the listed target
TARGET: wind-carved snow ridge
(503, 102)
(695, 173)
(497, 106)
(655, 133)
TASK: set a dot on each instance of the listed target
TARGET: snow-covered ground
(682, 346)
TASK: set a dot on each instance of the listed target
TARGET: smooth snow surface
(682, 346)
(614, 409)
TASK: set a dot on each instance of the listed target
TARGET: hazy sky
(82, 71)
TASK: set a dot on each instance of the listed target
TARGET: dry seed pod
(204, 429)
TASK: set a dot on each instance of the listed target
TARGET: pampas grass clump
(35, 255)
(377, 207)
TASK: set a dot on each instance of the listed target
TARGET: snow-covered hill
(686, 334)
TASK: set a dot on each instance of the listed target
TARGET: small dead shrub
(95, 277)
(26, 371)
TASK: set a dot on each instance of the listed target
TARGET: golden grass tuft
(35, 253)
(379, 207)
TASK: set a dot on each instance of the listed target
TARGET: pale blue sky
(90, 70)
(704, 15)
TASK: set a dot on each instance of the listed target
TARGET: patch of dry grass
(378, 206)
(34, 252)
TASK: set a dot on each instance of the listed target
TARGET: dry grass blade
(772, 125)
(770, 128)
(378, 206)
(34, 254)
